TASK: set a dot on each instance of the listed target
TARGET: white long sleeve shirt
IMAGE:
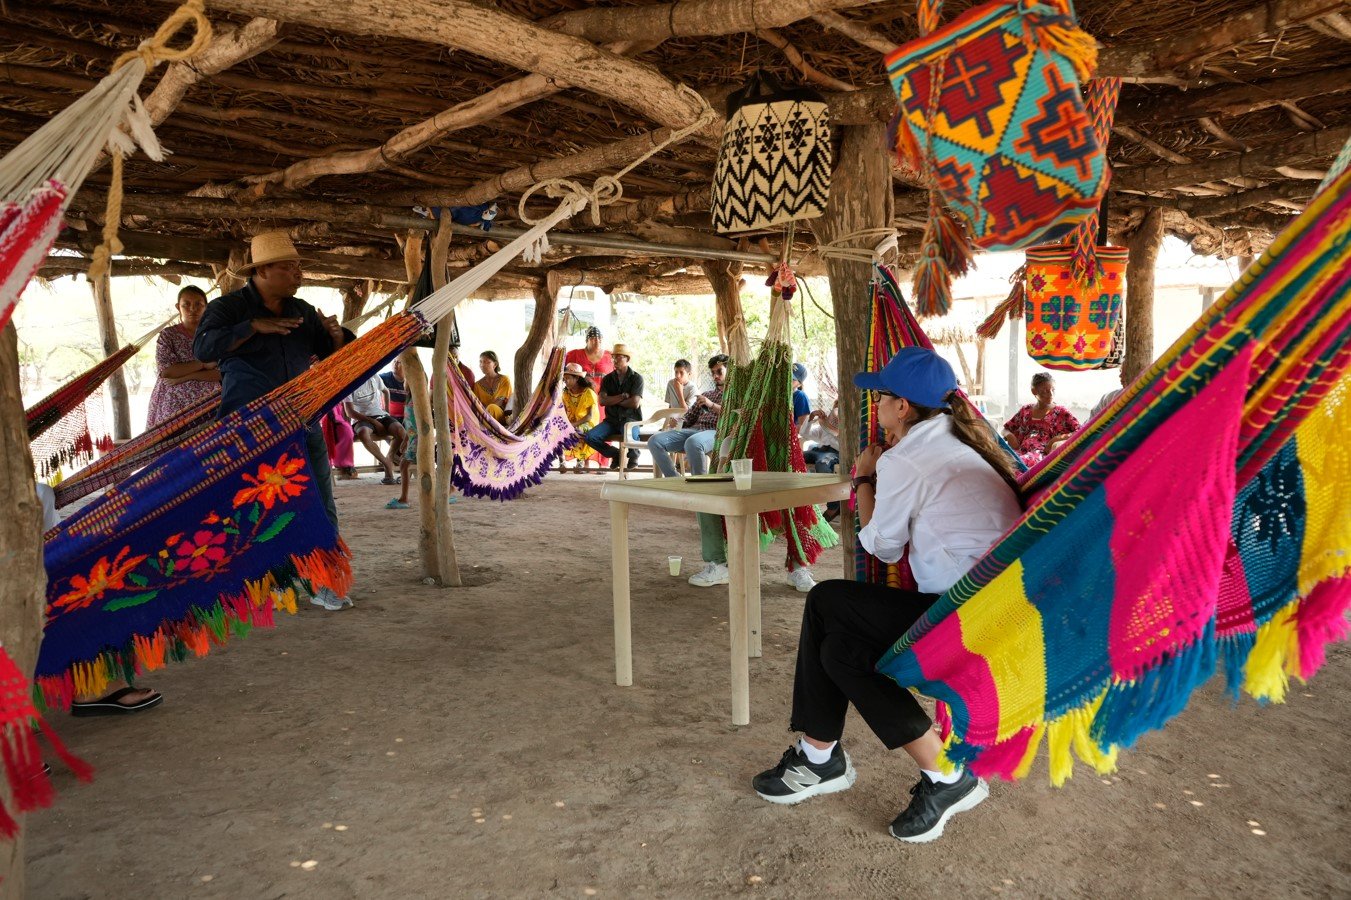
(940, 497)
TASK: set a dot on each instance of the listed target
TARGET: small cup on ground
(674, 563)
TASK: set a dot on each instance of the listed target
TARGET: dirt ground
(472, 743)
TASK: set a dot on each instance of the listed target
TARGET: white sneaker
(802, 579)
(713, 573)
(330, 601)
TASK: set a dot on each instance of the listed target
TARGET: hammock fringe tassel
(233, 615)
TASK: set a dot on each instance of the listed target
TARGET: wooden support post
(1144, 246)
(23, 587)
(228, 277)
(354, 297)
(541, 331)
(415, 377)
(445, 458)
(860, 197)
(117, 382)
(725, 277)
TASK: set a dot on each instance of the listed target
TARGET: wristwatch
(864, 479)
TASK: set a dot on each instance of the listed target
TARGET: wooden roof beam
(861, 34)
(689, 18)
(1315, 146)
(1213, 207)
(1238, 99)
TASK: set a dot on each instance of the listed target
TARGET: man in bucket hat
(263, 336)
(621, 397)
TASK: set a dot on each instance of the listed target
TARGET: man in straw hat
(621, 396)
(263, 336)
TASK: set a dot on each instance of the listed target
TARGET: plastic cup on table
(741, 474)
(674, 563)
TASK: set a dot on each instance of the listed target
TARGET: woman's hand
(866, 462)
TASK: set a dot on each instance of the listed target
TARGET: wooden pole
(541, 329)
(445, 537)
(1144, 246)
(725, 277)
(860, 197)
(415, 377)
(117, 382)
(23, 586)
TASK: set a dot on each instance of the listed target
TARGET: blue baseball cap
(799, 372)
(915, 373)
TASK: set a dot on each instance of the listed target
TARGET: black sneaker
(614, 463)
(933, 804)
(795, 779)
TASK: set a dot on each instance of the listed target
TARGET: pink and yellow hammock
(1199, 520)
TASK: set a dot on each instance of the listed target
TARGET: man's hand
(334, 329)
(866, 462)
(277, 325)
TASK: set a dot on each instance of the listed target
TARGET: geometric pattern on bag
(775, 161)
(992, 115)
(1070, 325)
(1117, 354)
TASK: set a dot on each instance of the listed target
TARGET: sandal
(109, 705)
(389, 479)
(396, 503)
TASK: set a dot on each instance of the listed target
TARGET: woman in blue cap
(944, 488)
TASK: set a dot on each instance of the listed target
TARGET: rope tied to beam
(136, 128)
(609, 189)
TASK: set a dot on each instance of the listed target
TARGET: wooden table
(768, 491)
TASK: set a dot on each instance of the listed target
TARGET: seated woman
(493, 389)
(183, 381)
(1037, 428)
(945, 489)
(583, 409)
(822, 432)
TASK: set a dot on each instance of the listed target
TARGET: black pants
(846, 627)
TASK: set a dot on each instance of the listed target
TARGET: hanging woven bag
(991, 116)
(775, 161)
(1070, 322)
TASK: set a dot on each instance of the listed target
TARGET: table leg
(736, 619)
(619, 573)
(750, 570)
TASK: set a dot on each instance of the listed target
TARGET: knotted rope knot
(136, 122)
(609, 189)
(877, 242)
(156, 49)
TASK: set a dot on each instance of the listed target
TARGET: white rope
(876, 243)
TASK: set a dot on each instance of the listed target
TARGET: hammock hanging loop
(156, 48)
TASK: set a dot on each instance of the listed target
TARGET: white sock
(815, 755)
(941, 778)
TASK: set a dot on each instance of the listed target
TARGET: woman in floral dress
(1038, 427)
(583, 409)
(183, 381)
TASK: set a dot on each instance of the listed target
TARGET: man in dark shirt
(263, 336)
(621, 396)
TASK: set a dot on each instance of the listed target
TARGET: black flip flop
(108, 706)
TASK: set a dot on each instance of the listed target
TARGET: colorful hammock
(497, 461)
(1198, 518)
(757, 423)
(213, 536)
(64, 410)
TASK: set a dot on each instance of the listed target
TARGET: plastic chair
(628, 443)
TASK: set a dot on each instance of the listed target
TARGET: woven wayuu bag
(991, 116)
(775, 161)
(1071, 323)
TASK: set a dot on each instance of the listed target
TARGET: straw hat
(271, 247)
(575, 369)
(622, 350)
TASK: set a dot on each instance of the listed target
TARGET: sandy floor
(471, 743)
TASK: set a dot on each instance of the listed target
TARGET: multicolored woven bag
(991, 116)
(1071, 323)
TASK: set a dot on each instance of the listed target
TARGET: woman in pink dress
(1038, 427)
(183, 381)
(340, 440)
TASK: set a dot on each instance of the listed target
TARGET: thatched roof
(1231, 111)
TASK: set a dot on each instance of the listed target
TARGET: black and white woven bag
(775, 161)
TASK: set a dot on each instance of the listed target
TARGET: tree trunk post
(415, 377)
(445, 458)
(541, 329)
(117, 382)
(230, 278)
(354, 299)
(725, 277)
(1144, 246)
(860, 197)
(23, 587)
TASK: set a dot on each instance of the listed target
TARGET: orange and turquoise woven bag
(991, 116)
(1071, 322)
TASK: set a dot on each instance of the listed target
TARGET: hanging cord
(882, 241)
(150, 52)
